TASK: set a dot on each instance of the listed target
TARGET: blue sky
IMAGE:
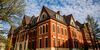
(79, 8)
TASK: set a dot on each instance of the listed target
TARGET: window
(40, 43)
(66, 32)
(62, 30)
(20, 48)
(26, 35)
(67, 44)
(54, 42)
(33, 31)
(74, 35)
(33, 44)
(43, 29)
(43, 16)
(58, 42)
(25, 46)
(46, 28)
(63, 43)
(76, 44)
(15, 46)
(40, 30)
(46, 42)
(53, 28)
(22, 36)
(58, 31)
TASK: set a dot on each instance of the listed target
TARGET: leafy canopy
(11, 7)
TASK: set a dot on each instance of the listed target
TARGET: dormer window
(59, 17)
(43, 16)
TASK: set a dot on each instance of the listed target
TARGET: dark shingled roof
(49, 11)
(68, 18)
(26, 19)
(52, 14)
(78, 24)
(34, 21)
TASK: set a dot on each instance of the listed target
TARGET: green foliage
(11, 7)
(94, 26)
(3, 39)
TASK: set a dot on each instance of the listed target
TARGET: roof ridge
(48, 9)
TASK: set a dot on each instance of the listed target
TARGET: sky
(79, 8)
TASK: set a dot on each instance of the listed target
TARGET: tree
(8, 10)
(94, 27)
(11, 7)
(11, 10)
(3, 39)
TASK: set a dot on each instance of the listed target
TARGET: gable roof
(51, 14)
(25, 20)
(68, 18)
(31, 19)
(34, 20)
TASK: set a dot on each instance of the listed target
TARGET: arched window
(43, 16)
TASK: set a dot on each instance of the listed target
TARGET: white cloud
(79, 8)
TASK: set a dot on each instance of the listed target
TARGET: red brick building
(49, 31)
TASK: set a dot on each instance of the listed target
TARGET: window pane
(33, 44)
(40, 43)
(63, 43)
(62, 30)
(25, 46)
(58, 42)
(66, 32)
(43, 29)
(53, 28)
(46, 42)
(58, 31)
(20, 47)
(74, 34)
(40, 30)
(54, 41)
(46, 28)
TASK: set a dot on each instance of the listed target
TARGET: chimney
(58, 12)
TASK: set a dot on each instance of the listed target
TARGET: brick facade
(49, 31)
